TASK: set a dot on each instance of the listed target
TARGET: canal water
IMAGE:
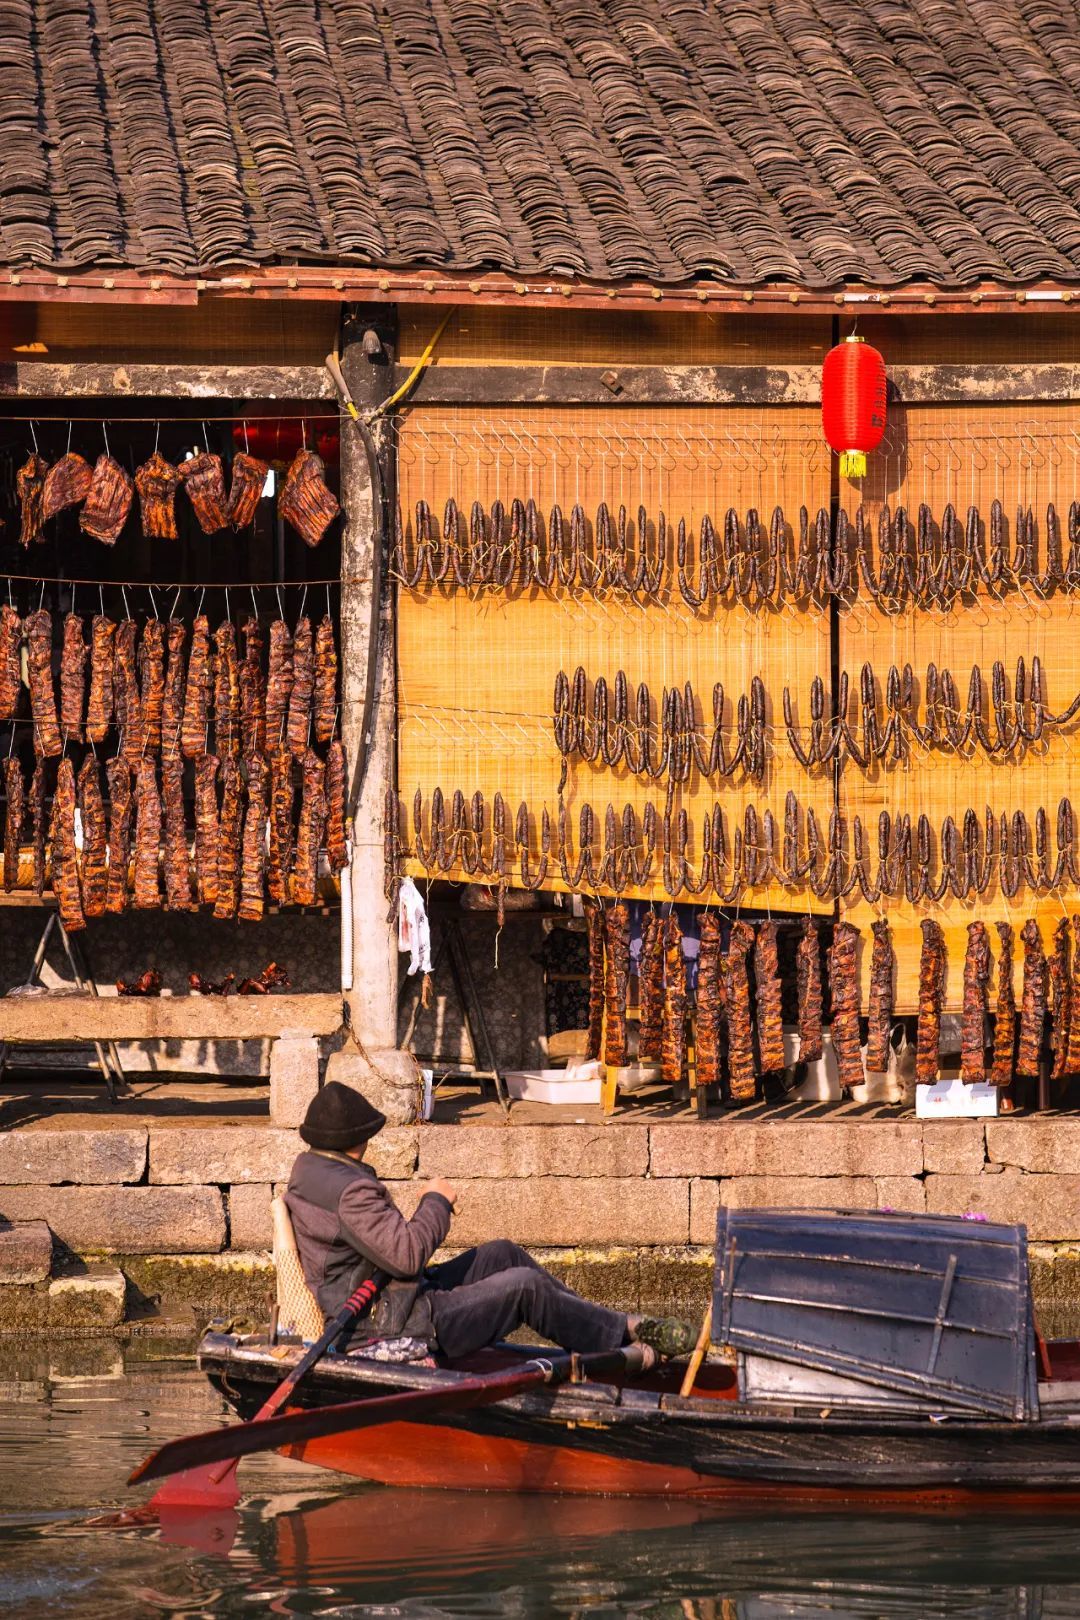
(76, 1418)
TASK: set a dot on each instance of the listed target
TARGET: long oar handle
(357, 1302)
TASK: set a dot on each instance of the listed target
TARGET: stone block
(294, 1078)
(1049, 1145)
(902, 1193)
(250, 1226)
(392, 1154)
(87, 1157)
(194, 1155)
(557, 1210)
(506, 1151)
(93, 1298)
(771, 1147)
(25, 1251)
(1048, 1205)
(704, 1203)
(954, 1147)
(389, 1079)
(124, 1220)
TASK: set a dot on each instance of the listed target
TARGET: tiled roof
(814, 141)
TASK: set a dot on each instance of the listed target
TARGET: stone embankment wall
(626, 1211)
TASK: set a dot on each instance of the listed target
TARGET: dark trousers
(485, 1293)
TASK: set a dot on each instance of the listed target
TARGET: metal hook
(123, 594)
(254, 602)
(175, 602)
(199, 604)
(157, 436)
(33, 436)
(303, 600)
(247, 446)
(206, 438)
(280, 608)
(105, 436)
(69, 439)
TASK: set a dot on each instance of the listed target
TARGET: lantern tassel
(853, 464)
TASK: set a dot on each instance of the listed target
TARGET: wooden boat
(875, 1356)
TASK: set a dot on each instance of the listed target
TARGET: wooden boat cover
(936, 1306)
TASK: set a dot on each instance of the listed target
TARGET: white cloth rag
(414, 931)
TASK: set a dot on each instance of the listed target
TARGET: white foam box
(952, 1099)
(553, 1085)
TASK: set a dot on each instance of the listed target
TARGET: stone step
(25, 1251)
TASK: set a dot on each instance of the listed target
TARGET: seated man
(347, 1227)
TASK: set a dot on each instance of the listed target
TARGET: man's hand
(443, 1187)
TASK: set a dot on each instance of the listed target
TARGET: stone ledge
(163, 1018)
(91, 1298)
(25, 1252)
(557, 1210)
(1047, 1145)
(131, 1220)
(497, 1151)
(774, 1147)
(954, 1146)
(197, 1155)
(1048, 1205)
(86, 1157)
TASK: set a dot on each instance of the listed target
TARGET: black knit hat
(339, 1117)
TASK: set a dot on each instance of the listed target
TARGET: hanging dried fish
(10, 663)
(882, 972)
(976, 1005)
(594, 926)
(67, 483)
(306, 501)
(14, 817)
(64, 858)
(129, 715)
(709, 1013)
(47, 740)
(73, 679)
(770, 1027)
(808, 993)
(844, 992)
(30, 488)
(1060, 998)
(298, 725)
(616, 982)
(282, 796)
(157, 481)
(99, 711)
(245, 489)
(118, 775)
(194, 727)
(252, 691)
(227, 713)
(931, 998)
(337, 846)
(203, 478)
(326, 681)
(253, 857)
(152, 684)
(147, 838)
(172, 701)
(176, 860)
(673, 1030)
(36, 806)
(229, 840)
(108, 501)
(279, 682)
(1033, 1003)
(206, 829)
(309, 835)
(742, 1078)
(95, 834)
(650, 989)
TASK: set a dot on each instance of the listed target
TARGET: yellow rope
(415, 374)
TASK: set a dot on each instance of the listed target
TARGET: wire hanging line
(184, 585)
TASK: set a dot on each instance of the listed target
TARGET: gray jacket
(347, 1227)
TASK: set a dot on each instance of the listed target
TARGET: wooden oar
(198, 1453)
(215, 1487)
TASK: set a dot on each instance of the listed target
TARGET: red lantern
(853, 403)
(278, 439)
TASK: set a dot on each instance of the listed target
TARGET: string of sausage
(882, 971)
(673, 1028)
(616, 981)
(808, 993)
(710, 1001)
(975, 1005)
(1004, 1010)
(594, 930)
(844, 991)
(770, 1025)
(1033, 1003)
(742, 1078)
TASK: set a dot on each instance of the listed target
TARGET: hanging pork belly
(157, 481)
(108, 501)
(10, 661)
(310, 830)
(47, 740)
(73, 678)
(101, 703)
(326, 681)
(616, 983)
(14, 817)
(207, 829)
(64, 857)
(147, 838)
(709, 1012)
(306, 500)
(203, 478)
(245, 490)
(67, 482)
(30, 488)
(230, 834)
(95, 832)
(282, 797)
(118, 776)
(253, 855)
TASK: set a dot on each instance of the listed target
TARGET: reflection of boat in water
(879, 1357)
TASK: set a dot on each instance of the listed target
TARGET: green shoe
(668, 1335)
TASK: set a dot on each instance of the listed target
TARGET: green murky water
(74, 1421)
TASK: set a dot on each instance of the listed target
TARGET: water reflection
(307, 1544)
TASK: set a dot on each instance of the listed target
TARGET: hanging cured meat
(309, 834)
(245, 489)
(306, 501)
(95, 833)
(931, 997)
(770, 1025)
(337, 846)
(272, 977)
(30, 488)
(1072, 1056)
(252, 691)
(326, 681)
(742, 1077)
(594, 931)
(279, 682)
(36, 804)
(65, 863)
(204, 480)
(176, 859)
(844, 993)
(1033, 1004)
(152, 684)
(47, 740)
(253, 857)
(650, 989)
(976, 1005)
(99, 710)
(193, 731)
(298, 725)
(709, 1012)
(279, 865)
(14, 816)
(229, 839)
(129, 715)
(673, 1031)
(227, 731)
(882, 970)
(67, 483)
(147, 984)
(207, 831)
(808, 993)
(172, 699)
(118, 776)
(108, 502)
(157, 481)
(10, 665)
(73, 679)
(1004, 1010)
(1060, 997)
(616, 983)
(147, 895)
